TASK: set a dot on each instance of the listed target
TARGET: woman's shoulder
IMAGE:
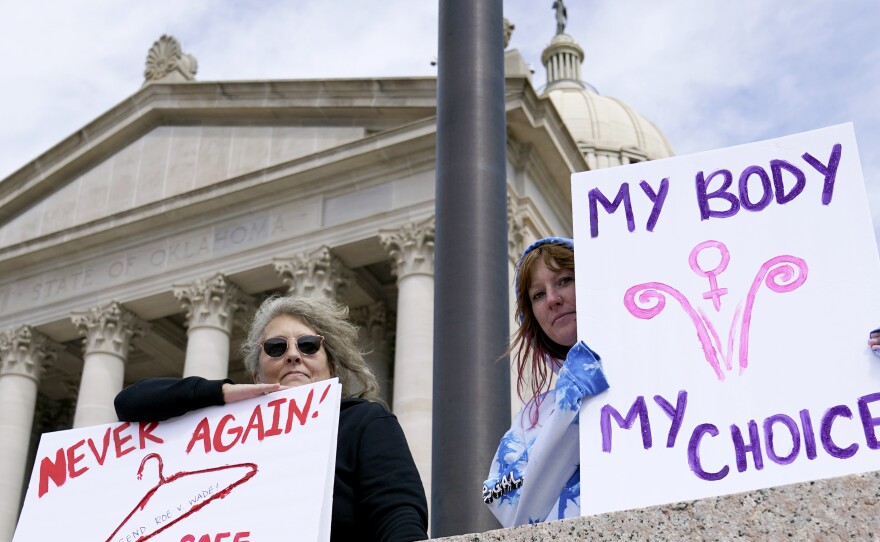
(356, 407)
(360, 416)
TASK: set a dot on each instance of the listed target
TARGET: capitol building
(140, 245)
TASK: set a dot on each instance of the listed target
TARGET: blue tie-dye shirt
(535, 475)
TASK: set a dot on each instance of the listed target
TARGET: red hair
(534, 349)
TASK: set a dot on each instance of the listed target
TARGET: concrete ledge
(834, 510)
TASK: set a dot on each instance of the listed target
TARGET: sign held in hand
(730, 294)
(195, 478)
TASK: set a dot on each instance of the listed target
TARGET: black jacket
(377, 492)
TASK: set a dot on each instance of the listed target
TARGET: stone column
(24, 354)
(373, 320)
(109, 330)
(211, 308)
(412, 249)
(515, 247)
(314, 273)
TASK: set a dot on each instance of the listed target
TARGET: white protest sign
(730, 294)
(251, 471)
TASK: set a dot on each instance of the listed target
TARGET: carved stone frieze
(213, 302)
(316, 273)
(508, 31)
(26, 352)
(411, 247)
(167, 62)
(370, 317)
(515, 230)
(109, 329)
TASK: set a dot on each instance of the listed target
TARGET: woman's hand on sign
(240, 392)
(874, 342)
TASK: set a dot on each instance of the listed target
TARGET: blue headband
(563, 241)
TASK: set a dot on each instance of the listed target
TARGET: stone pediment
(168, 162)
(196, 151)
(169, 139)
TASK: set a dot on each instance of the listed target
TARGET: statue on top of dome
(561, 16)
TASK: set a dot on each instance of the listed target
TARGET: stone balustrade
(836, 509)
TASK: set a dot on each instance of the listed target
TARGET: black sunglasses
(307, 345)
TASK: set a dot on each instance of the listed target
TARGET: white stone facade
(138, 246)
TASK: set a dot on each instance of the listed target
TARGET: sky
(708, 73)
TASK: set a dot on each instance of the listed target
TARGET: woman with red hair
(535, 475)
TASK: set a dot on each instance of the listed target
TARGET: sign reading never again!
(192, 478)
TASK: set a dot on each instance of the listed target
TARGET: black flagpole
(471, 387)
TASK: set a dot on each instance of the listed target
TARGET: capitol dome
(607, 130)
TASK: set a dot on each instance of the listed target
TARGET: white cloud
(709, 73)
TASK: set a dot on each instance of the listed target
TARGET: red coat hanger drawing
(135, 522)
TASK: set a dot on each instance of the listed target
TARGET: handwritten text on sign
(730, 294)
(778, 436)
(235, 455)
(754, 190)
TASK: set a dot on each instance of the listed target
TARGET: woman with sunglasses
(377, 492)
(535, 476)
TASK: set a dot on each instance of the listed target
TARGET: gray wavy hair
(327, 318)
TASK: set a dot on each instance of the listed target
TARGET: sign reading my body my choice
(255, 470)
(730, 294)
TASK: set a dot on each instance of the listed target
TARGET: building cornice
(331, 167)
(379, 102)
(409, 144)
(551, 141)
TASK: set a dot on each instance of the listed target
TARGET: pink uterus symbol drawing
(781, 274)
